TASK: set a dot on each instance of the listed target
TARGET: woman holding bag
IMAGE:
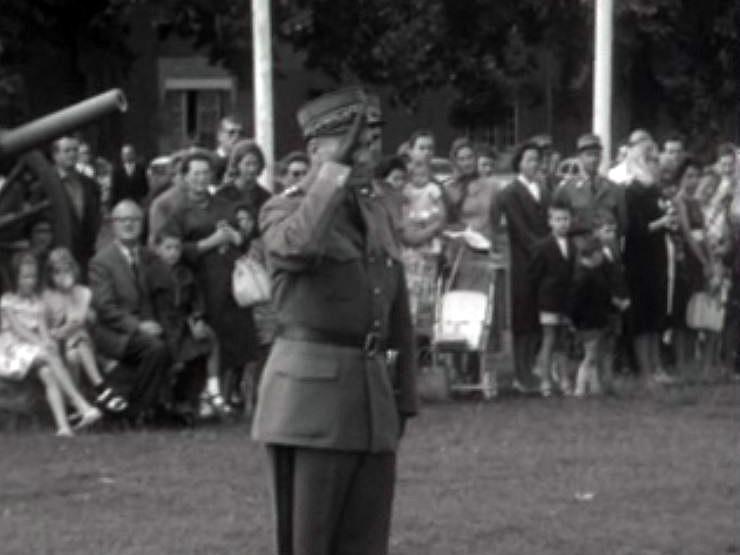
(213, 240)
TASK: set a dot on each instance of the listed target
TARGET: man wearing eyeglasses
(228, 134)
(126, 330)
(294, 168)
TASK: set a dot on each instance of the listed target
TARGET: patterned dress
(421, 263)
(17, 355)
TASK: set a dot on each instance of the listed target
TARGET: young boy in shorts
(552, 273)
(605, 230)
(590, 307)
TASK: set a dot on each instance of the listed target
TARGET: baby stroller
(463, 317)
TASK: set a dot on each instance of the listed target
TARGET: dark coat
(220, 163)
(84, 230)
(121, 301)
(617, 277)
(526, 220)
(591, 298)
(124, 186)
(335, 265)
(213, 269)
(177, 301)
(646, 259)
(552, 275)
(253, 196)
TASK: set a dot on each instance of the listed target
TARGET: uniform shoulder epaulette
(293, 191)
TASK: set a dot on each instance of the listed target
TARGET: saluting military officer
(332, 404)
(591, 192)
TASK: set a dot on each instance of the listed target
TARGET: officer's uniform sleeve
(401, 338)
(294, 224)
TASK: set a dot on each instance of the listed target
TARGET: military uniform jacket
(335, 266)
(587, 196)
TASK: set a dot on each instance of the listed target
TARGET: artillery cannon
(32, 187)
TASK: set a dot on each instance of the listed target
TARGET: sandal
(110, 401)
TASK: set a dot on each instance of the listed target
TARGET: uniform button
(376, 324)
(389, 262)
(377, 290)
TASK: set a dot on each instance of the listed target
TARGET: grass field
(641, 475)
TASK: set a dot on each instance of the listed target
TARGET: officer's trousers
(328, 502)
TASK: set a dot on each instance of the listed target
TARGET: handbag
(250, 282)
(705, 312)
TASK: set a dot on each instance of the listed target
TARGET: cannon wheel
(35, 164)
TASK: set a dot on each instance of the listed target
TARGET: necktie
(134, 261)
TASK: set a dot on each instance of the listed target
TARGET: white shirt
(532, 187)
(563, 244)
(85, 169)
(620, 174)
(131, 254)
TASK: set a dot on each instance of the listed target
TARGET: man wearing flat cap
(591, 192)
(332, 400)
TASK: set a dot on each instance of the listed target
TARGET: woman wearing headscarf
(646, 261)
(240, 184)
(524, 204)
(457, 188)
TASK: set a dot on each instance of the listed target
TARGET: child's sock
(213, 387)
(581, 380)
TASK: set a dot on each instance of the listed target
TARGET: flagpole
(262, 84)
(602, 89)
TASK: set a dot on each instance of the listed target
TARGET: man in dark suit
(126, 330)
(129, 179)
(332, 405)
(229, 133)
(82, 197)
(524, 203)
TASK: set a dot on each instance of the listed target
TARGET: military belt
(370, 343)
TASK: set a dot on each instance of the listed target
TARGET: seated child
(551, 271)
(69, 312)
(27, 348)
(178, 306)
(590, 305)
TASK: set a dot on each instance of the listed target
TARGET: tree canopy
(674, 59)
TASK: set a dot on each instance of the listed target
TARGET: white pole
(262, 85)
(602, 99)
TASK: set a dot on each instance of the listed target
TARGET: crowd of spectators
(638, 269)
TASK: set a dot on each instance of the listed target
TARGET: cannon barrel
(51, 126)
